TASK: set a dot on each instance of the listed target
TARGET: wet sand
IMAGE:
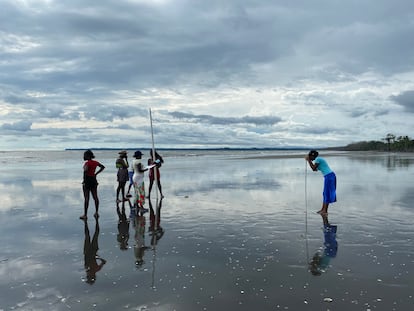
(237, 230)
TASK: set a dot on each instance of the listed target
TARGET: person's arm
(313, 166)
(85, 169)
(101, 168)
(140, 169)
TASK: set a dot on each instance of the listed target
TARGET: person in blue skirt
(318, 163)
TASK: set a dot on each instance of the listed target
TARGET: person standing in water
(122, 175)
(90, 184)
(318, 163)
(155, 170)
(138, 179)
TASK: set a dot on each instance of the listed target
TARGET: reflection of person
(122, 175)
(329, 189)
(155, 220)
(90, 184)
(320, 261)
(139, 247)
(90, 249)
(123, 227)
(138, 179)
(155, 170)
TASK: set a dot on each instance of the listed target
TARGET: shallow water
(238, 232)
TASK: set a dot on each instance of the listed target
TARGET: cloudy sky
(233, 73)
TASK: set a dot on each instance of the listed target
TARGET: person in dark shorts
(90, 184)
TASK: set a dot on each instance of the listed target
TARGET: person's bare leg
(118, 189)
(324, 209)
(150, 187)
(122, 191)
(96, 199)
(86, 203)
(160, 188)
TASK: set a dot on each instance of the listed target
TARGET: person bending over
(318, 163)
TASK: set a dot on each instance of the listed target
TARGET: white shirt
(138, 176)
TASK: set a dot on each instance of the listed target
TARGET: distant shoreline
(206, 149)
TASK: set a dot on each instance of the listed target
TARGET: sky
(233, 73)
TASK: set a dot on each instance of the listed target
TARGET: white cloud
(239, 73)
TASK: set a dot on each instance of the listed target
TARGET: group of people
(92, 168)
(136, 178)
(135, 175)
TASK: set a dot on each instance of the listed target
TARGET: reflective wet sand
(236, 231)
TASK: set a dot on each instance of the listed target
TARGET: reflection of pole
(155, 227)
(154, 255)
(155, 171)
(306, 212)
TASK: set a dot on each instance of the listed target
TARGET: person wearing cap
(138, 179)
(90, 184)
(122, 175)
(318, 163)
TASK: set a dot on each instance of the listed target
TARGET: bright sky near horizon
(234, 73)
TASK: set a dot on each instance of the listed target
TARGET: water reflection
(139, 223)
(397, 161)
(392, 161)
(139, 247)
(123, 227)
(90, 250)
(155, 228)
(321, 260)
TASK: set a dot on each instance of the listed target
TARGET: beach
(236, 230)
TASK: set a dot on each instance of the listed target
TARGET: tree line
(390, 143)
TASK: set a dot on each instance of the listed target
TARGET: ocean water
(237, 230)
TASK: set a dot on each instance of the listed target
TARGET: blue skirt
(329, 188)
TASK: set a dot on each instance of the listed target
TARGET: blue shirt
(323, 166)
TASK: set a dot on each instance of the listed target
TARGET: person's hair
(88, 155)
(313, 153)
(157, 156)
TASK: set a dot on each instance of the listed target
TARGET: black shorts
(90, 182)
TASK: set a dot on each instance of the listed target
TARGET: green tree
(390, 138)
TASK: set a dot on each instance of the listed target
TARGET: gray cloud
(21, 126)
(406, 100)
(144, 44)
(267, 70)
(109, 112)
(265, 120)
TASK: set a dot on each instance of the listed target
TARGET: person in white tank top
(138, 179)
